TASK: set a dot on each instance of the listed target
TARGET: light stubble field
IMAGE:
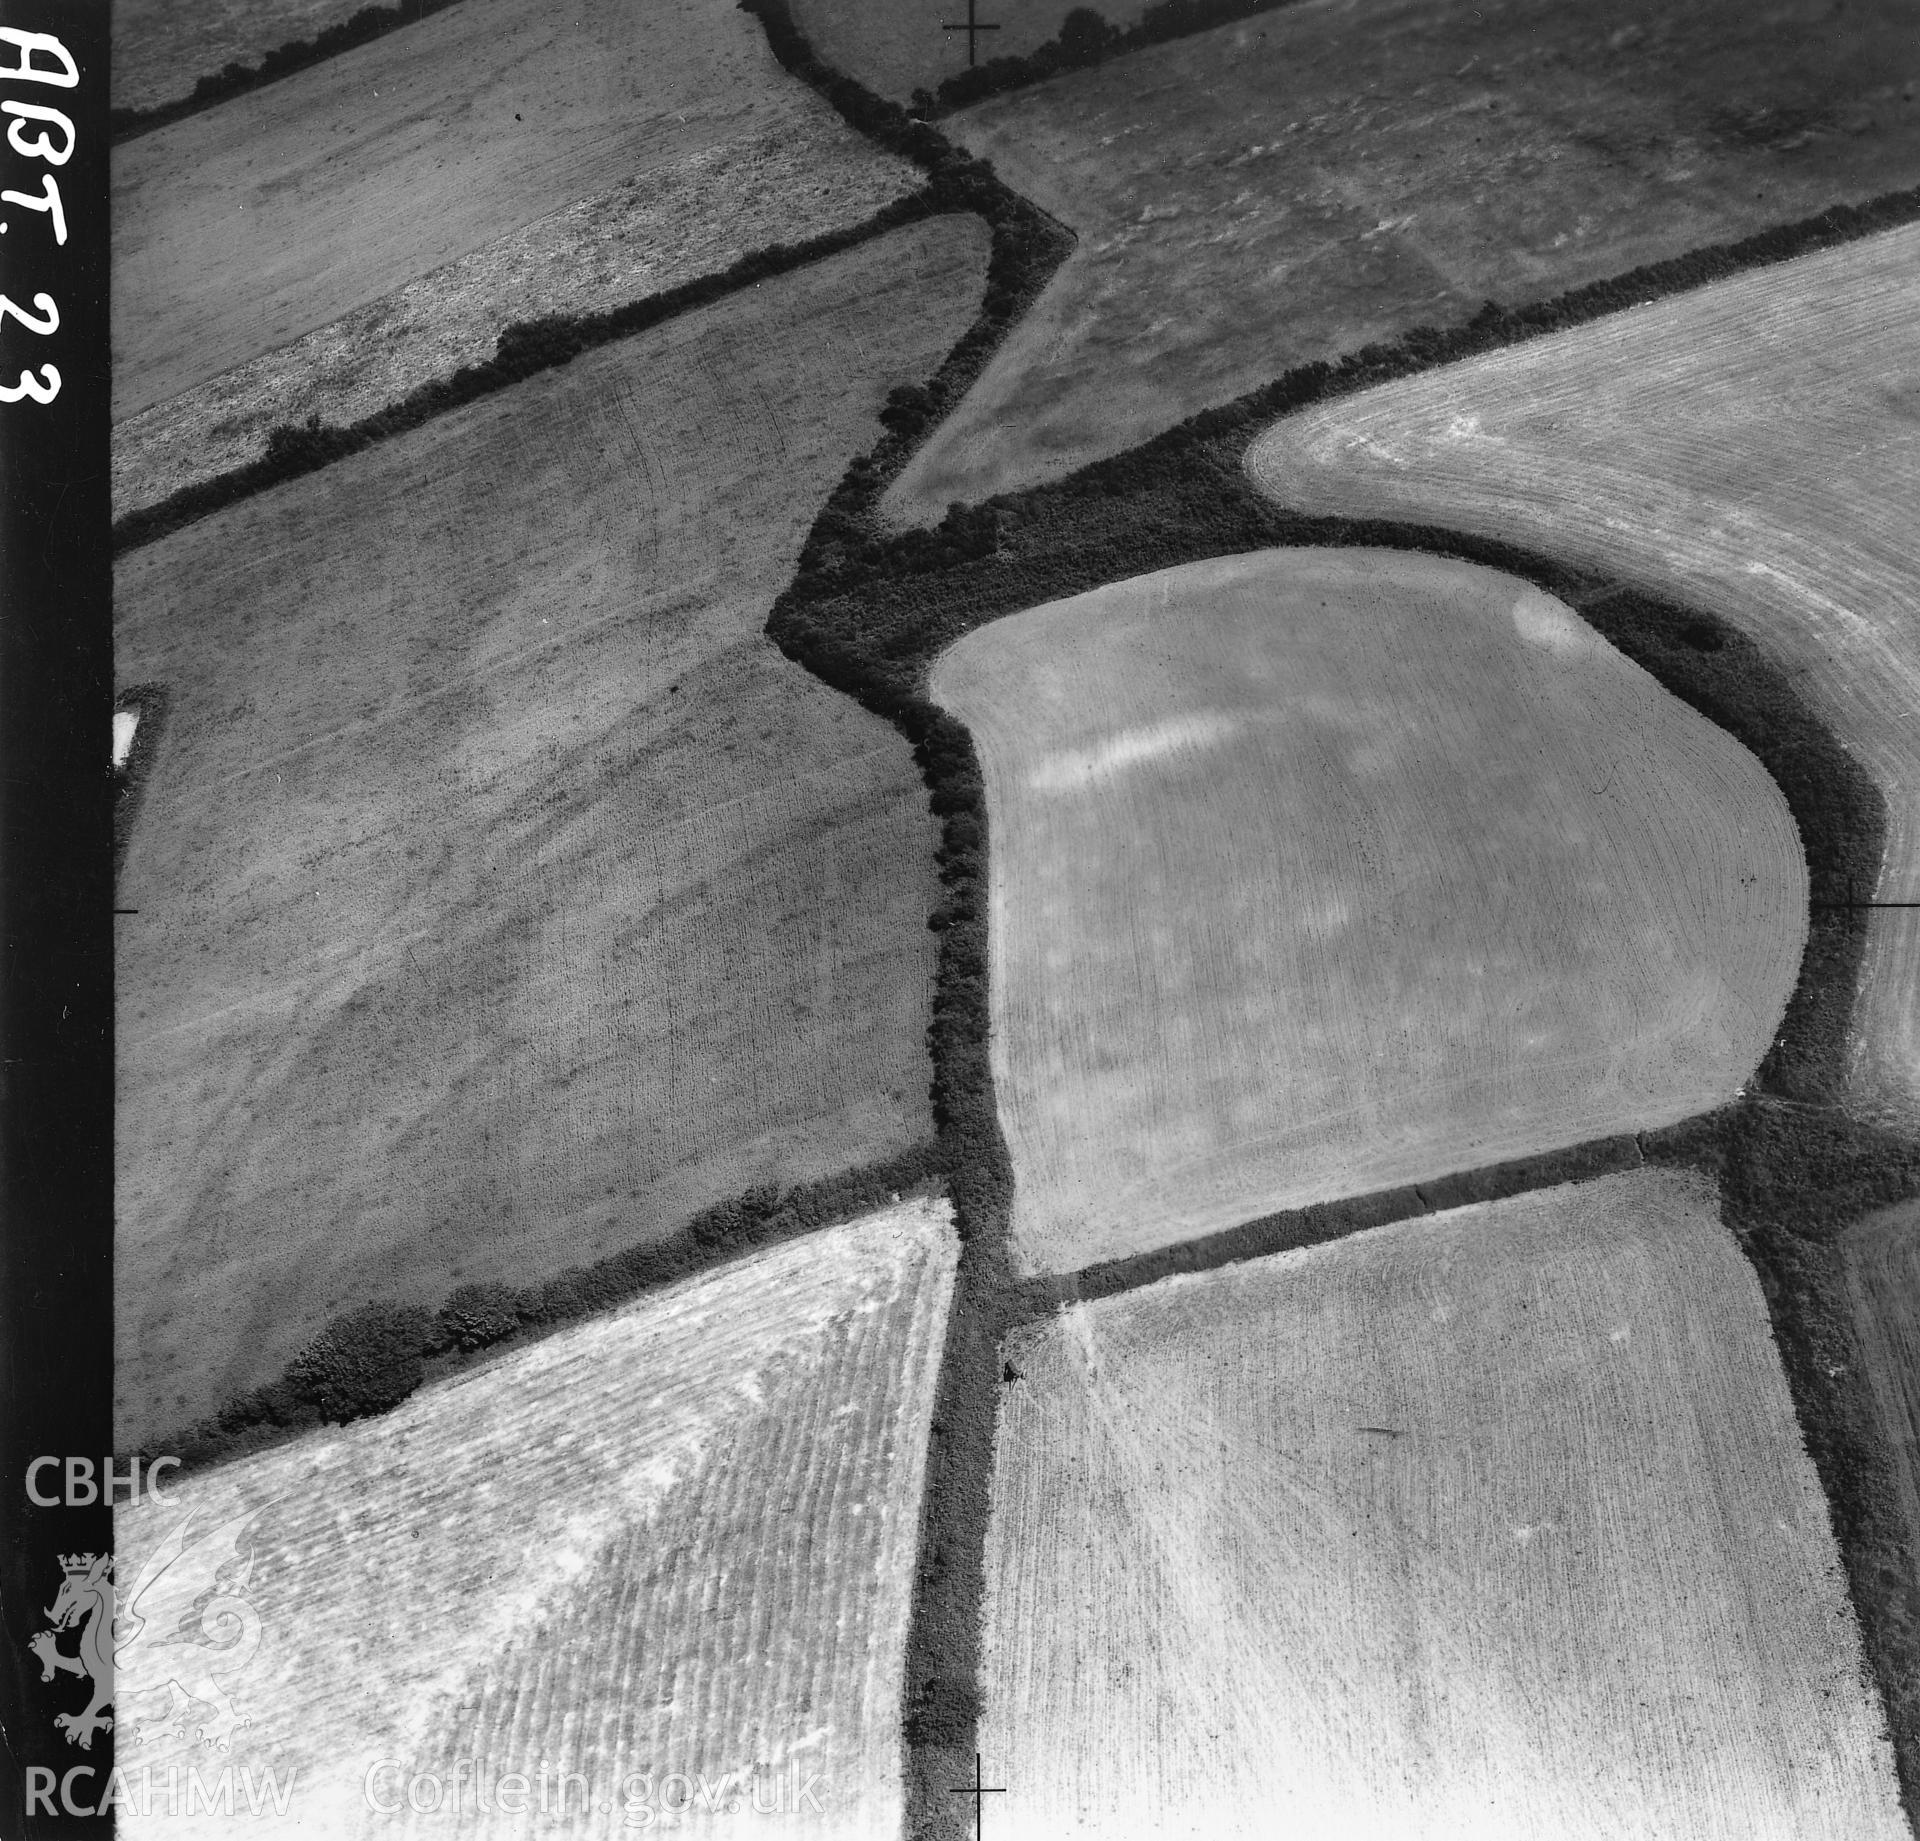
(679, 1537)
(803, 176)
(1752, 448)
(1321, 871)
(1333, 173)
(240, 230)
(1495, 1523)
(504, 897)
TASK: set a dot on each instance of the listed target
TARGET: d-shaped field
(1316, 872)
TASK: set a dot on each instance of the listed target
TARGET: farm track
(676, 1537)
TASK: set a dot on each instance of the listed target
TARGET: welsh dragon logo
(171, 1635)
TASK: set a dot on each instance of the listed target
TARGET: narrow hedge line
(847, 549)
(1086, 38)
(1794, 1169)
(1319, 1222)
(369, 1360)
(523, 349)
(237, 79)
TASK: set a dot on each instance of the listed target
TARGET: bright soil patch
(1495, 1523)
(1752, 448)
(673, 224)
(162, 48)
(243, 228)
(1313, 179)
(1883, 1281)
(1316, 872)
(679, 1538)
(504, 896)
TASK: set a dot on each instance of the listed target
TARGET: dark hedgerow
(1086, 38)
(236, 79)
(371, 1359)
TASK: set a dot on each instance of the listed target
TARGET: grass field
(677, 1538)
(504, 897)
(240, 230)
(1316, 872)
(897, 49)
(161, 48)
(1296, 186)
(1496, 1523)
(1883, 1282)
(673, 224)
(1752, 448)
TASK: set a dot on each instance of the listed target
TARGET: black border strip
(56, 981)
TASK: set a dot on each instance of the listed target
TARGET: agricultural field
(1322, 871)
(162, 48)
(678, 1538)
(244, 228)
(1333, 173)
(671, 225)
(1495, 1523)
(1882, 1263)
(1752, 448)
(503, 896)
(895, 50)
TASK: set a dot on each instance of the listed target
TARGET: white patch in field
(124, 724)
(1462, 428)
(1077, 768)
(1621, 1336)
(1542, 621)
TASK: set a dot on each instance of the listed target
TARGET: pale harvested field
(1336, 172)
(676, 1538)
(1317, 872)
(670, 225)
(504, 896)
(1752, 448)
(1495, 1524)
(162, 48)
(239, 230)
(1883, 1282)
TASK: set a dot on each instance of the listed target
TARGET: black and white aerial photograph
(1015, 921)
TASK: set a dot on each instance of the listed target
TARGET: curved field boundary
(867, 609)
(868, 613)
(1323, 870)
(1751, 448)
